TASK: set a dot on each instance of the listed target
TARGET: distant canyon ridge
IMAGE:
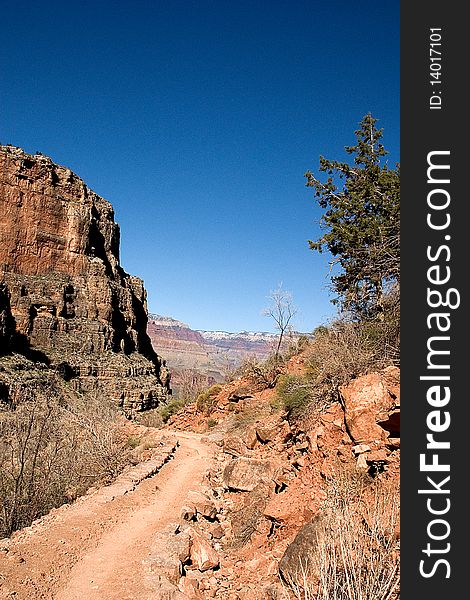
(210, 353)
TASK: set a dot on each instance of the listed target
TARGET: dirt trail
(101, 551)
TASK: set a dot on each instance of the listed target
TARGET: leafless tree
(282, 310)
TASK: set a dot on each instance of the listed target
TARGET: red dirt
(93, 550)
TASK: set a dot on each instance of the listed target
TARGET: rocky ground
(272, 477)
(219, 506)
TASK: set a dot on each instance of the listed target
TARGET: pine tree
(362, 219)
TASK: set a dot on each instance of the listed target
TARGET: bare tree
(282, 311)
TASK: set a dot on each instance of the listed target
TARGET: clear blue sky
(197, 120)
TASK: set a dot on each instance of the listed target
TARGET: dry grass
(356, 554)
(52, 451)
(263, 374)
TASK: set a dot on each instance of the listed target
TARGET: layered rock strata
(72, 303)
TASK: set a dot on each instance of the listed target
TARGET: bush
(132, 441)
(295, 393)
(150, 418)
(52, 450)
(262, 373)
(206, 400)
(297, 344)
(171, 409)
(346, 349)
(338, 354)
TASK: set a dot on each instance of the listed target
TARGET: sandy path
(102, 551)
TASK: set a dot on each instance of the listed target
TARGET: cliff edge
(62, 286)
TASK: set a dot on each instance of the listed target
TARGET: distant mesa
(62, 288)
(211, 353)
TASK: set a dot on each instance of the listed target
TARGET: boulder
(272, 429)
(217, 531)
(370, 401)
(246, 521)
(188, 513)
(202, 555)
(360, 449)
(250, 438)
(244, 474)
(234, 446)
(170, 550)
(202, 503)
(189, 585)
(299, 554)
(164, 589)
(280, 508)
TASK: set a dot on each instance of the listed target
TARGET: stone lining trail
(100, 546)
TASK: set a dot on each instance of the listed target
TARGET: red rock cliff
(69, 297)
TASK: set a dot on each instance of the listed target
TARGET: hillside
(238, 507)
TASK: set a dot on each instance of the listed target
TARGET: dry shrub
(264, 374)
(150, 418)
(295, 393)
(206, 400)
(356, 555)
(51, 452)
(347, 348)
(338, 354)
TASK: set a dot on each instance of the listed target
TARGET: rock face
(7, 323)
(70, 299)
(372, 407)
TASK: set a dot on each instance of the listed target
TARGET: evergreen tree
(362, 219)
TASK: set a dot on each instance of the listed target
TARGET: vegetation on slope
(54, 444)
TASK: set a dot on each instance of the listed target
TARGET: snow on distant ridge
(167, 321)
(255, 336)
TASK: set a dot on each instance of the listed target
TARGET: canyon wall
(213, 354)
(72, 304)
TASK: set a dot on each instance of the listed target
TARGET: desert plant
(170, 409)
(339, 353)
(261, 373)
(295, 393)
(206, 399)
(297, 345)
(356, 554)
(132, 441)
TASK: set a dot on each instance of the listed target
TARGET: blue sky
(197, 121)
